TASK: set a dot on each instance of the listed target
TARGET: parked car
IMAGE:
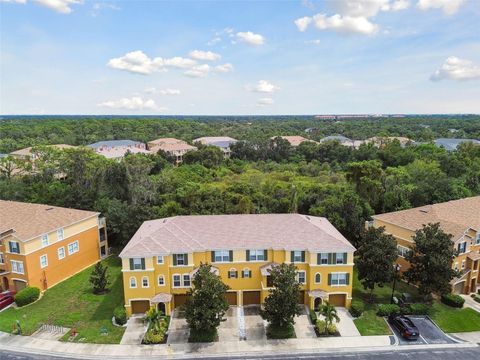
(405, 327)
(6, 298)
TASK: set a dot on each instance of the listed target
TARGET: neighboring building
(117, 149)
(163, 255)
(452, 144)
(42, 245)
(223, 142)
(461, 218)
(27, 154)
(311, 130)
(294, 140)
(171, 146)
(381, 141)
(343, 141)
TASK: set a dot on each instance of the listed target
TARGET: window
(186, 280)
(298, 256)
(463, 264)
(232, 274)
(370, 223)
(318, 278)
(14, 247)
(462, 247)
(256, 255)
(177, 282)
(456, 266)
(322, 259)
(133, 282)
(44, 240)
(137, 264)
(221, 256)
(145, 282)
(17, 267)
(61, 253)
(60, 234)
(159, 260)
(478, 238)
(301, 277)
(180, 259)
(246, 273)
(161, 280)
(2, 259)
(43, 261)
(340, 258)
(402, 250)
(73, 248)
(339, 279)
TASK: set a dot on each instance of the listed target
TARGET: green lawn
(72, 304)
(455, 320)
(371, 324)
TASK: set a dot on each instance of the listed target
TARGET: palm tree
(329, 312)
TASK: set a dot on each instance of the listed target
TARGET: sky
(152, 57)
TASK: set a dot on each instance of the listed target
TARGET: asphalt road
(423, 354)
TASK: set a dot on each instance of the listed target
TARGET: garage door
(251, 297)
(231, 298)
(19, 285)
(337, 299)
(301, 297)
(140, 306)
(459, 288)
(179, 299)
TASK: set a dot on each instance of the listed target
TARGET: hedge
(120, 315)
(388, 309)
(357, 308)
(313, 316)
(453, 300)
(27, 296)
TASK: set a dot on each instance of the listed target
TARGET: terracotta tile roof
(235, 232)
(31, 220)
(455, 217)
(294, 140)
(161, 298)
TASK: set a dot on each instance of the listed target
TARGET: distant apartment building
(294, 140)
(42, 245)
(163, 256)
(223, 142)
(460, 218)
(173, 147)
(29, 154)
(117, 149)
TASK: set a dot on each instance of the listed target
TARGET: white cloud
(314, 41)
(97, 8)
(455, 68)
(168, 91)
(251, 38)
(345, 24)
(180, 62)
(198, 71)
(133, 103)
(60, 6)
(265, 101)
(137, 62)
(303, 23)
(360, 8)
(400, 5)
(14, 1)
(204, 55)
(224, 68)
(263, 86)
(449, 7)
(215, 40)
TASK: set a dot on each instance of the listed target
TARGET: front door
(162, 308)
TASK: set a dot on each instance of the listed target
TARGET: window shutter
(330, 259)
(319, 259)
(329, 279)
(265, 255)
(236, 274)
(248, 255)
(347, 279)
(131, 264)
(228, 274)
(213, 256)
(243, 274)
(143, 263)
(303, 256)
(292, 256)
(250, 273)
(344, 258)
(174, 259)
(334, 257)
(185, 259)
(230, 255)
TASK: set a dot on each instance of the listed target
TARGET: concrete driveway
(346, 326)
(254, 324)
(178, 331)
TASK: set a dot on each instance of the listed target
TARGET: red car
(7, 298)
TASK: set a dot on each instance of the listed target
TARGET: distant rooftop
(220, 141)
(340, 138)
(113, 143)
(294, 140)
(452, 144)
(28, 151)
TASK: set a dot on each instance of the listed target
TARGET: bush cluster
(120, 315)
(313, 316)
(357, 308)
(27, 296)
(453, 300)
(320, 326)
(476, 298)
(388, 309)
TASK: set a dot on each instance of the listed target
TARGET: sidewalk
(229, 348)
(469, 302)
(473, 336)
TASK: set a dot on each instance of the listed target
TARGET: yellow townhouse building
(42, 245)
(460, 218)
(162, 257)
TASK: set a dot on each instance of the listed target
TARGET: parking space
(429, 332)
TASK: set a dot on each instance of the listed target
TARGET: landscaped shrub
(320, 325)
(388, 309)
(27, 296)
(120, 315)
(332, 329)
(357, 308)
(313, 316)
(453, 300)
(152, 337)
(419, 309)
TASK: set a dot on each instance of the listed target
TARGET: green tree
(329, 312)
(430, 260)
(206, 304)
(99, 278)
(281, 305)
(367, 177)
(376, 255)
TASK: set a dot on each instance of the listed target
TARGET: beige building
(29, 154)
(171, 146)
(222, 142)
(294, 140)
(460, 218)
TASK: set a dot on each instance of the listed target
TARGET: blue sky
(239, 57)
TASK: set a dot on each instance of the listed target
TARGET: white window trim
(405, 248)
(295, 255)
(247, 270)
(58, 253)
(130, 282)
(189, 280)
(222, 256)
(257, 252)
(455, 266)
(182, 255)
(148, 282)
(18, 245)
(464, 263)
(60, 231)
(462, 242)
(46, 261)
(158, 280)
(2, 258)
(234, 271)
(304, 276)
(315, 278)
(182, 286)
(326, 258)
(44, 236)
(17, 262)
(160, 257)
(339, 285)
(74, 251)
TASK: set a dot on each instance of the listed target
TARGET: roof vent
(48, 209)
(424, 211)
(308, 218)
(165, 220)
